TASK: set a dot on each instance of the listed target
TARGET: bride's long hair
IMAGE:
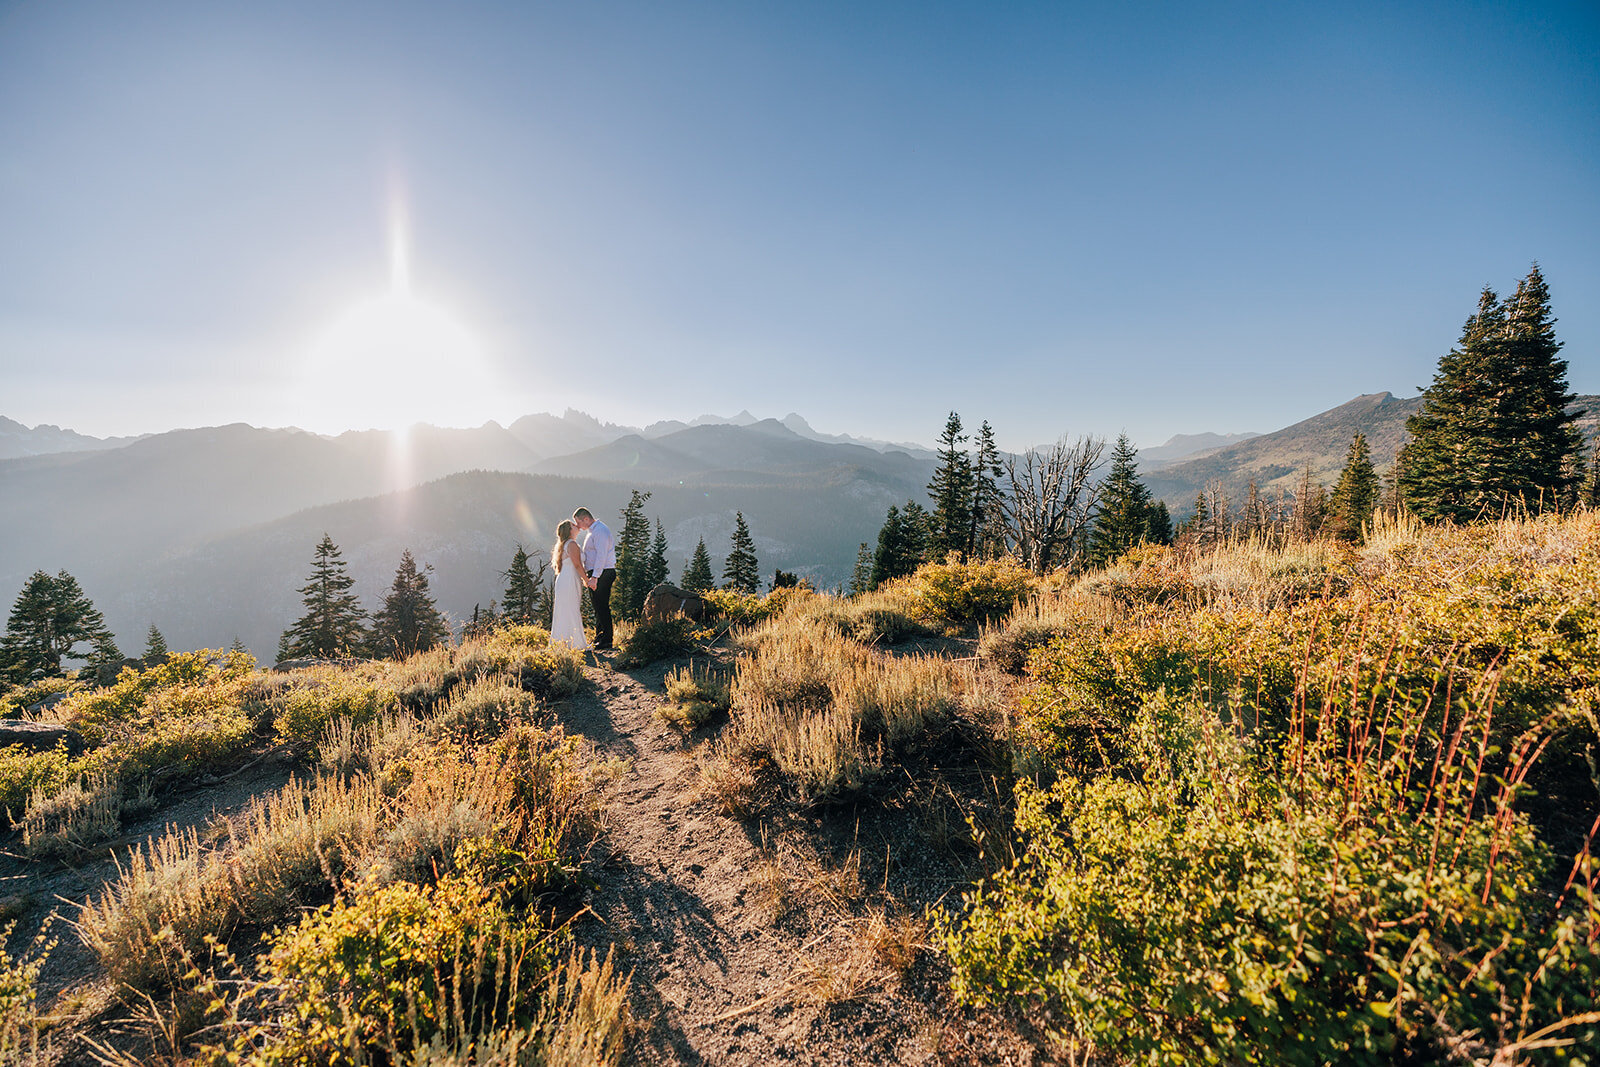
(563, 535)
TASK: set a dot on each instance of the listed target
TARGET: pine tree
(697, 576)
(521, 597)
(1123, 518)
(237, 645)
(155, 646)
(633, 559)
(408, 622)
(1355, 495)
(861, 577)
(740, 571)
(951, 491)
(1494, 426)
(658, 569)
(50, 618)
(332, 625)
(986, 535)
(1160, 529)
(914, 521)
(902, 541)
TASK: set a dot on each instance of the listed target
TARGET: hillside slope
(1277, 459)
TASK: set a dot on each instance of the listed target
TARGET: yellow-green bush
(394, 966)
(323, 695)
(14, 699)
(1298, 815)
(972, 592)
(828, 712)
(1336, 905)
(525, 652)
(23, 772)
(695, 695)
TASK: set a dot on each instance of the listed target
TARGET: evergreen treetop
(1124, 516)
(740, 571)
(1355, 495)
(49, 619)
(409, 622)
(333, 623)
(951, 491)
(520, 601)
(1494, 427)
(986, 534)
(633, 558)
(697, 576)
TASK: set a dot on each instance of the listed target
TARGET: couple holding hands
(591, 562)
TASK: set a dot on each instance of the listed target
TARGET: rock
(40, 736)
(46, 704)
(665, 601)
(105, 674)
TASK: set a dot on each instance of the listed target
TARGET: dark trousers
(601, 597)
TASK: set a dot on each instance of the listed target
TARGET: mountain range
(208, 533)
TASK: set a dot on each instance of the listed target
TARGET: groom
(600, 564)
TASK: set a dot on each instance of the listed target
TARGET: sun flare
(394, 360)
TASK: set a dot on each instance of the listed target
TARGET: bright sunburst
(394, 360)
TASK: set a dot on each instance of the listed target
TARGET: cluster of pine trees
(51, 617)
(1496, 432)
(1045, 507)
(1496, 428)
(335, 624)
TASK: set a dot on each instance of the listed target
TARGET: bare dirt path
(739, 954)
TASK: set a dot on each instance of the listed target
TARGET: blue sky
(1061, 217)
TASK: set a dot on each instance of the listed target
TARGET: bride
(566, 620)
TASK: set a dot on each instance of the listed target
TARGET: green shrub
(15, 699)
(484, 710)
(24, 773)
(968, 593)
(395, 966)
(1199, 908)
(651, 641)
(20, 1024)
(304, 712)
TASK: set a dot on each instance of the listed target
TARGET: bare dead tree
(1052, 500)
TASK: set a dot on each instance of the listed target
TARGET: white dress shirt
(599, 548)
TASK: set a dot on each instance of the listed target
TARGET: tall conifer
(409, 622)
(950, 522)
(1122, 519)
(986, 534)
(697, 576)
(633, 558)
(520, 601)
(1355, 495)
(658, 570)
(49, 619)
(1494, 428)
(333, 622)
(740, 571)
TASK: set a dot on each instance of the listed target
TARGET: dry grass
(301, 844)
(68, 823)
(695, 695)
(826, 711)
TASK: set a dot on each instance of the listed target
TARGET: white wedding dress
(566, 620)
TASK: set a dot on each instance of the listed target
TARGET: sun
(393, 360)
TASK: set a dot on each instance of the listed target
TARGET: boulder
(40, 736)
(665, 601)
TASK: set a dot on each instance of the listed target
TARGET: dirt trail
(702, 915)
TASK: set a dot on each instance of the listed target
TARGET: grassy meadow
(1264, 804)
